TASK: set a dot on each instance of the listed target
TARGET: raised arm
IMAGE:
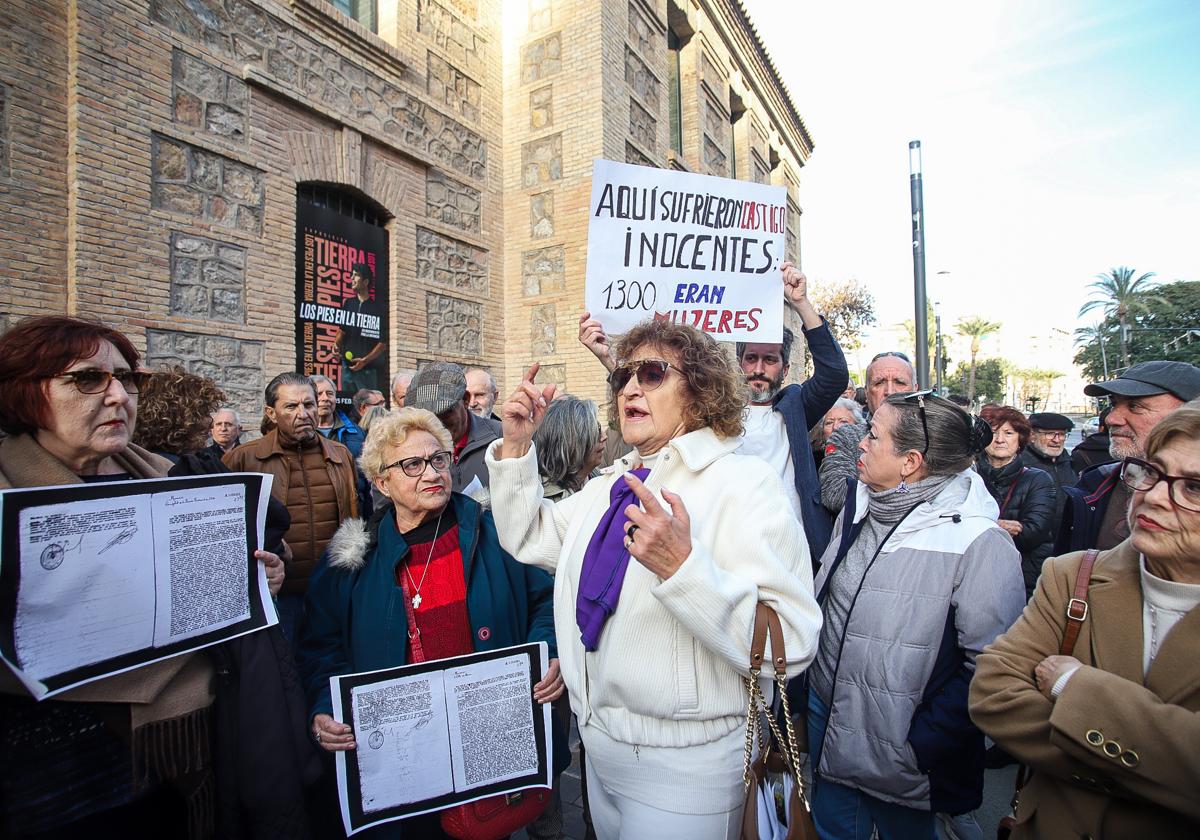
(595, 339)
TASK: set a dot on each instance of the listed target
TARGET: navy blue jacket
(1087, 502)
(804, 406)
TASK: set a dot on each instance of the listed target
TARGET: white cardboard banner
(692, 249)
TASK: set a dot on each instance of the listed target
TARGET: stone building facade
(151, 153)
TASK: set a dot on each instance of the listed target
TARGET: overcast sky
(1059, 139)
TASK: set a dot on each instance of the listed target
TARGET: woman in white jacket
(652, 650)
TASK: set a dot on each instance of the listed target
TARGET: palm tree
(1084, 336)
(1119, 295)
(977, 329)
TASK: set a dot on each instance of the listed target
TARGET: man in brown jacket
(314, 477)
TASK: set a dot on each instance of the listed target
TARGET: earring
(902, 487)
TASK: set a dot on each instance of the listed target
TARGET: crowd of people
(955, 589)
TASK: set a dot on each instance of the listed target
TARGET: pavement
(997, 795)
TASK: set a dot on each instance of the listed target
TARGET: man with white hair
(482, 388)
(332, 422)
(400, 383)
(226, 432)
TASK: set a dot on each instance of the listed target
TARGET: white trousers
(617, 817)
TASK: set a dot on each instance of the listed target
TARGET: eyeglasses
(413, 467)
(920, 396)
(650, 374)
(96, 381)
(1183, 490)
(891, 353)
(1051, 433)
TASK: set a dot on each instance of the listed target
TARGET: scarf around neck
(604, 564)
(890, 506)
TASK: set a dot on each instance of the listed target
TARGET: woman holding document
(136, 745)
(659, 566)
(425, 579)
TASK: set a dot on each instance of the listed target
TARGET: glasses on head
(413, 467)
(920, 396)
(96, 381)
(1183, 490)
(891, 353)
(650, 374)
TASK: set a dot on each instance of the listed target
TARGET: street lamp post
(918, 244)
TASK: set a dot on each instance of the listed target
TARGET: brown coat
(319, 497)
(1116, 755)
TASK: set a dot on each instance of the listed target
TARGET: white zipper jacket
(666, 670)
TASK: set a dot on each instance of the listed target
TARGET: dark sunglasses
(413, 467)
(96, 381)
(920, 396)
(650, 374)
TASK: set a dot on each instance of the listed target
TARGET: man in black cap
(1095, 513)
(1045, 451)
(441, 387)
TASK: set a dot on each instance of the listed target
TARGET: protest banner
(692, 249)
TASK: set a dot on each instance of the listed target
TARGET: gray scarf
(884, 509)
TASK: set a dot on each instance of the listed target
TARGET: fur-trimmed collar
(350, 544)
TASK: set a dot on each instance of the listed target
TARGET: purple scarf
(604, 564)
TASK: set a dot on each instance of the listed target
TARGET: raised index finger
(533, 372)
(649, 503)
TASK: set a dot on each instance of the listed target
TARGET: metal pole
(938, 364)
(1103, 354)
(921, 320)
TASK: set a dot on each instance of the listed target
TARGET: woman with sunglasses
(659, 564)
(68, 405)
(1112, 732)
(917, 579)
(429, 568)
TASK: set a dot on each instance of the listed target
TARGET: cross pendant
(416, 601)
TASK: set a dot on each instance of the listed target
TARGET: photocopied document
(99, 579)
(437, 734)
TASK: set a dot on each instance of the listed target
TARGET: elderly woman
(175, 411)
(1026, 495)
(1111, 732)
(844, 412)
(917, 579)
(134, 746)
(570, 446)
(429, 567)
(653, 650)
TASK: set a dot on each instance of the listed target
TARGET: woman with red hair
(1025, 495)
(118, 755)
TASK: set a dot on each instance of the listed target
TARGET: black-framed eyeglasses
(890, 354)
(650, 374)
(1051, 433)
(96, 381)
(413, 467)
(1183, 490)
(920, 396)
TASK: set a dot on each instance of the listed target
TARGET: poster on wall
(692, 249)
(341, 300)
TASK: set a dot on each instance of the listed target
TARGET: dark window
(346, 203)
(362, 11)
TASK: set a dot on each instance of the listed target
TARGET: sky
(1059, 139)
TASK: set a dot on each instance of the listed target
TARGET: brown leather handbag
(775, 743)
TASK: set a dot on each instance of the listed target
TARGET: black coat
(1025, 494)
(1058, 468)
(1091, 451)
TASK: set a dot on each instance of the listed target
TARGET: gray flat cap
(437, 387)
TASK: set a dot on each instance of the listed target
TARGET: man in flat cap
(1046, 451)
(1095, 513)
(441, 387)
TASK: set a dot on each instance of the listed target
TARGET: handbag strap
(1077, 607)
(766, 619)
(1011, 489)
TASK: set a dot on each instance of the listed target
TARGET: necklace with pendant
(416, 587)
